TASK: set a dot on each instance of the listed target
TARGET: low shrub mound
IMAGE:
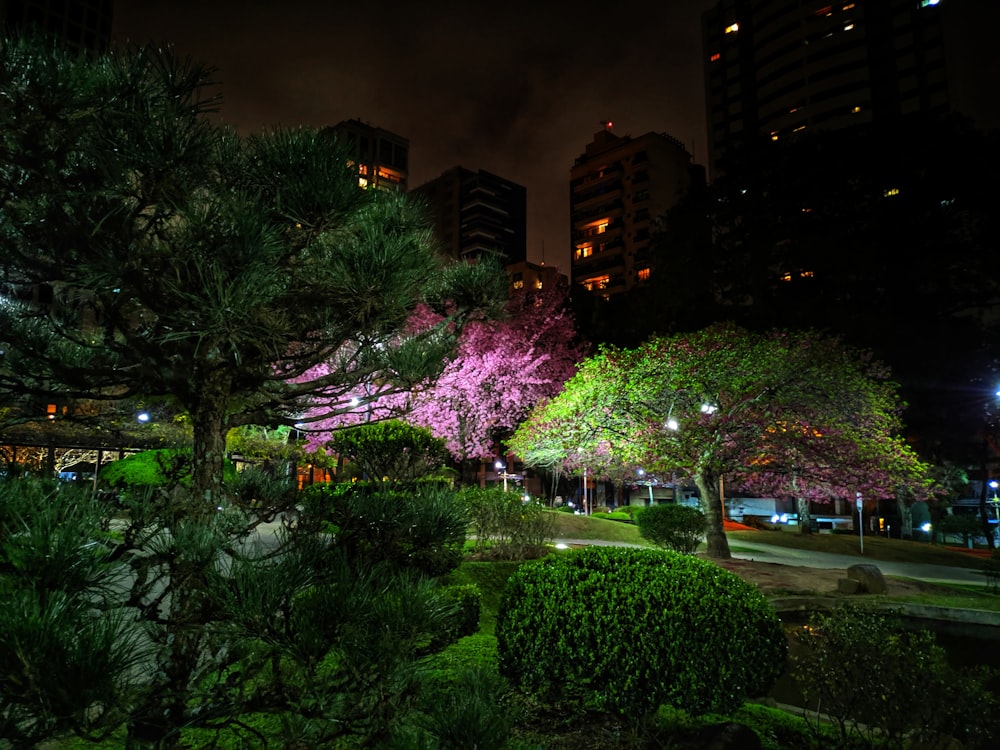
(676, 527)
(626, 630)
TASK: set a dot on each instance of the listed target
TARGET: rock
(848, 586)
(728, 736)
(869, 578)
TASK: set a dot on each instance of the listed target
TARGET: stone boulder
(869, 578)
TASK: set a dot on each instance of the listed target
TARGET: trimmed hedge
(626, 630)
(676, 527)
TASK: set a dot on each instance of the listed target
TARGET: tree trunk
(209, 425)
(158, 723)
(905, 519)
(802, 508)
(711, 503)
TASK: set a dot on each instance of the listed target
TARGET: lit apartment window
(732, 28)
(849, 26)
(643, 274)
(538, 284)
(597, 283)
(890, 192)
(848, 6)
(855, 109)
(715, 57)
(50, 411)
(806, 274)
(786, 277)
(519, 284)
(584, 251)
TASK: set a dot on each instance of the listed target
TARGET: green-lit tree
(788, 414)
(146, 251)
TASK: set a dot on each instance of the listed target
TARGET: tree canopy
(147, 251)
(792, 414)
(500, 369)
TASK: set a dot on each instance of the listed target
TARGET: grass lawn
(570, 526)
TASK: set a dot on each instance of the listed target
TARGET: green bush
(625, 630)
(155, 468)
(891, 685)
(420, 527)
(502, 522)
(676, 527)
(467, 599)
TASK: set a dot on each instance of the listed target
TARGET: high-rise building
(476, 213)
(382, 157)
(775, 68)
(82, 25)
(618, 187)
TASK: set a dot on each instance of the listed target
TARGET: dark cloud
(517, 88)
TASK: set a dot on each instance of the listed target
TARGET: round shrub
(626, 630)
(676, 527)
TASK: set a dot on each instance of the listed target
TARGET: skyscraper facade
(477, 212)
(775, 68)
(382, 157)
(619, 186)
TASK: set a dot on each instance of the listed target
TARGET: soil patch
(774, 579)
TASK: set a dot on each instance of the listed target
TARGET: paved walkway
(811, 559)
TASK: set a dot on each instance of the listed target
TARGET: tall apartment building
(382, 157)
(476, 213)
(82, 25)
(618, 188)
(774, 68)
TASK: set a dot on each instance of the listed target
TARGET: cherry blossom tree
(796, 413)
(501, 369)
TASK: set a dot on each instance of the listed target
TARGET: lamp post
(649, 484)
(861, 526)
(995, 502)
(502, 472)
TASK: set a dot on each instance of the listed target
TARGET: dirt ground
(774, 579)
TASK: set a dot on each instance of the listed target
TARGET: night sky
(517, 88)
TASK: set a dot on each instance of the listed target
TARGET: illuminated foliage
(786, 413)
(502, 367)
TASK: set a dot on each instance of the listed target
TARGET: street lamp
(649, 483)
(502, 472)
(996, 502)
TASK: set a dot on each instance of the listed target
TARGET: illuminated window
(50, 410)
(855, 109)
(800, 127)
(584, 251)
(732, 28)
(806, 274)
(597, 283)
(849, 26)
(848, 6)
(716, 57)
(643, 274)
(519, 284)
(596, 227)
(786, 277)
(807, 210)
(890, 192)
(827, 11)
(363, 182)
(538, 284)
(774, 135)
